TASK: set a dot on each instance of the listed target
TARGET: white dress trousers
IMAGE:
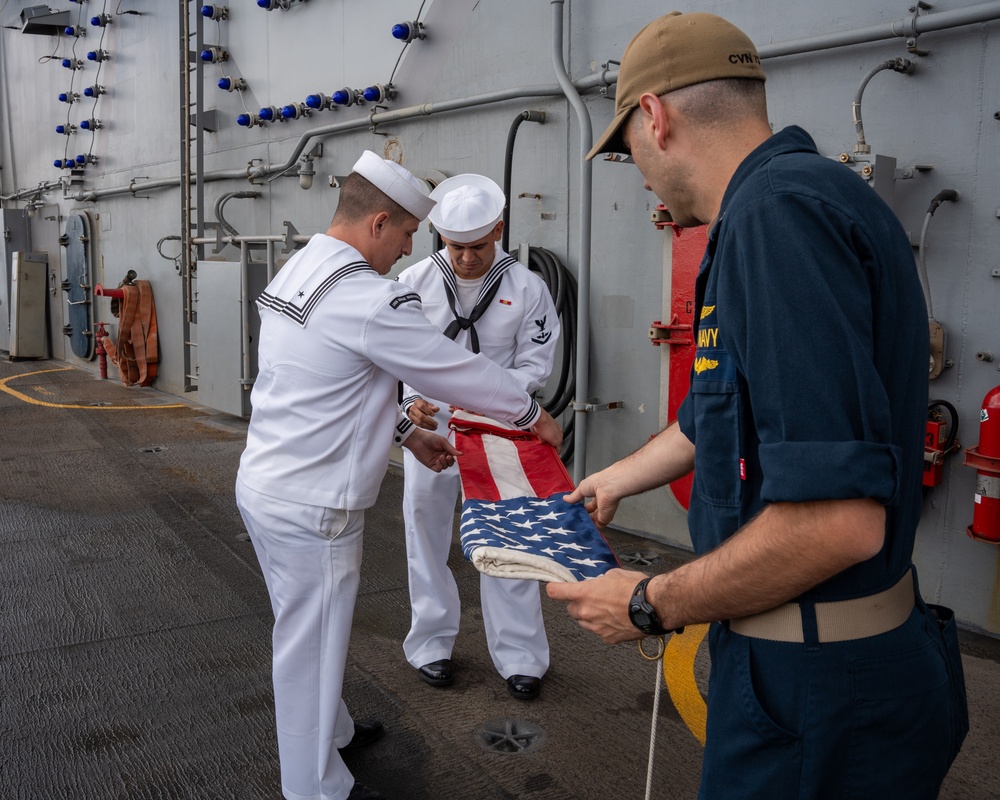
(311, 560)
(519, 332)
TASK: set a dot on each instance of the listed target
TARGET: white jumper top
(334, 338)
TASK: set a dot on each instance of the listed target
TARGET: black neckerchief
(486, 294)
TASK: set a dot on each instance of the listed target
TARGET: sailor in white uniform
(334, 339)
(489, 303)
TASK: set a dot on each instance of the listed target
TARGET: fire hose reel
(985, 457)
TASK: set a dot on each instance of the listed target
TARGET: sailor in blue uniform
(804, 425)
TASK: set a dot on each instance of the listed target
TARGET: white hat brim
(475, 181)
(396, 182)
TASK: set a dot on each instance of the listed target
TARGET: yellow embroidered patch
(704, 364)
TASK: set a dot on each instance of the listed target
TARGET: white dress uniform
(518, 331)
(334, 338)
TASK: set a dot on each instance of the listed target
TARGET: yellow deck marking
(678, 674)
(25, 398)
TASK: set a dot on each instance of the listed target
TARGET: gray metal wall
(942, 116)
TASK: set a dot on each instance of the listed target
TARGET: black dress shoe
(366, 731)
(438, 673)
(361, 792)
(524, 687)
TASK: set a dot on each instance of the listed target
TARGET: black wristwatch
(643, 615)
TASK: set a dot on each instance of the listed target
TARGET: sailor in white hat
(488, 302)
(335, 338)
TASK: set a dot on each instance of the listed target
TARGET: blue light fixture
(90, 124)
(98, 55)
(283, 5)
(101, 20)
(72, 63)
(318, 102)
(247, 120)
(66, 130)
(269, 114)
(94, 91)
(230, 84)
(345, 97)
(68, 97)
(215, 12)
(57, 163)
(377, 93)
(214, 54)
(406, 32)
(75, 30)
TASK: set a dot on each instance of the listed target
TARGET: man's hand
(548, 430)
(599, 496)
(433, 451)
(600, 605)
(421, 414)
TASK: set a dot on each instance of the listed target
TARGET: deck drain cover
(512, 736)
(639, 559)
(156, 448)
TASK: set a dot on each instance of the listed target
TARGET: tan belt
(838, 621)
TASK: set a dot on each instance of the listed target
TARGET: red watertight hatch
(688, 247)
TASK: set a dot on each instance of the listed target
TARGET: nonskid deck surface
(135, 646)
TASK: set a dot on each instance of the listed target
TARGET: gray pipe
(900, 28)
(20, 194)
(220, 204)
(245, 314)
(398, 115)
(585, 191)
(410, 112)
(906, 27)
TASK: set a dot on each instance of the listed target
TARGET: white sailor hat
(468, 207)
(397, 182)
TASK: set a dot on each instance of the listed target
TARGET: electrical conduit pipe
(585, 193)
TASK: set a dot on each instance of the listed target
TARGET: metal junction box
(29, 281)
(13, 237)
(222, 384)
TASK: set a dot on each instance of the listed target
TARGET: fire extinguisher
(985, 457)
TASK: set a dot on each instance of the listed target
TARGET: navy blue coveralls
(810, 383)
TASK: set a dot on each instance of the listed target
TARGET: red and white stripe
(498, 463)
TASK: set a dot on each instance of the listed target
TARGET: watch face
(641, 620)
(640, 617)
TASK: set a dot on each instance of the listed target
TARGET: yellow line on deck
(25, 398)
(678, 674)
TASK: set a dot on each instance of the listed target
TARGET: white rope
(658, 661)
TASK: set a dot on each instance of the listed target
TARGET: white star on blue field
(546, 527)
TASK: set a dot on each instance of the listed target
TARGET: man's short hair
(715, 103)
(360, 198)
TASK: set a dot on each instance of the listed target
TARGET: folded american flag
(515, 523)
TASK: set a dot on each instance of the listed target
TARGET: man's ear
(379, 221)
(656, 115)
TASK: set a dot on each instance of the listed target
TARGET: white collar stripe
(300, 314)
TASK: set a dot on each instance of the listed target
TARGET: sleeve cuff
(796, 472)
(530, 417)
(408, 401)
(402, 431)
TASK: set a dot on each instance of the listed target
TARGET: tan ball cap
(672, 52)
